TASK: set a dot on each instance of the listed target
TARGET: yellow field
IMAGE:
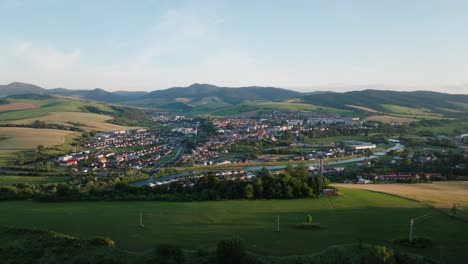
(442, 195)
(19, 138)
(88, 121)
(388, 119)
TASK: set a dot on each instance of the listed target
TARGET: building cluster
(124, 149)
(393, 176)
(191, 180)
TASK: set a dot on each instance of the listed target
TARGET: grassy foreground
(371, 217)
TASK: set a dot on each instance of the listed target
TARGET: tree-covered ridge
(375, 99)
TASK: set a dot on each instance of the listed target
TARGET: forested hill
(375, 99)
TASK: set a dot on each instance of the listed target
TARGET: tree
(454, 210)
(20, 158)
(168, 254)
(309, 219)
(249, 191)
(230, 250)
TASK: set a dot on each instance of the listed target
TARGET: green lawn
(9, 180)
(372, 217)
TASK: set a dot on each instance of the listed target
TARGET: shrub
(380, 254)
(230, 250)
(309, 219)
(417, 242)
(102, 241)
(168, 254)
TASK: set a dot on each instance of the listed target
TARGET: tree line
(292, 183)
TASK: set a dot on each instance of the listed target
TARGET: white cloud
(21, 61)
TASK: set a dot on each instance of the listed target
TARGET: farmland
(370, 216)
(44, 106)
(16, 106)
(389, 119)
(262, 107)
(87, 121)
(441, 195)
(18, 138)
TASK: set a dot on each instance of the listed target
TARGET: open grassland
(9, 180)
(264, 107)
(88, 121)
(441, 195)
(369, 216)
(43, 107)
(390, 119)
(19, 138)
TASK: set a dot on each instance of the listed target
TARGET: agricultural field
(410, 111)
(45, 106)
(357, 215)
(19, 138)
(9, 180)
(17, 106)
(87, 121)
(440, 195)
(390, 119)
(362, 108)
(266, 107)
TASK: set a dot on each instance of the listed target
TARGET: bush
(380, 254)
(168, 254)
(309, 219)
(230, 250)
(417, 242)
(102, 241)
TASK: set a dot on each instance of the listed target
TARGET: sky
(302, 45)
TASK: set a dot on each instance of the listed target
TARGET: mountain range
(207, 96)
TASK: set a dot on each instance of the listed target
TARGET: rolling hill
(20, 88)
(379, 100)
(206, 98)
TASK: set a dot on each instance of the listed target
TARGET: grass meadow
(357, 215)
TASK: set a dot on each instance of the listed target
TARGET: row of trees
(293, 183)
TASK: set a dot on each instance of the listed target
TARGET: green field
(266, 107)
(444, 129)
(9, 180)
(371, 217)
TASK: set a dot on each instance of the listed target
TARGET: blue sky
(303, 45)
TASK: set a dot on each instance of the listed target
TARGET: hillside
(20, 88)
(207, 98)
(377, 100)
(204, 96)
